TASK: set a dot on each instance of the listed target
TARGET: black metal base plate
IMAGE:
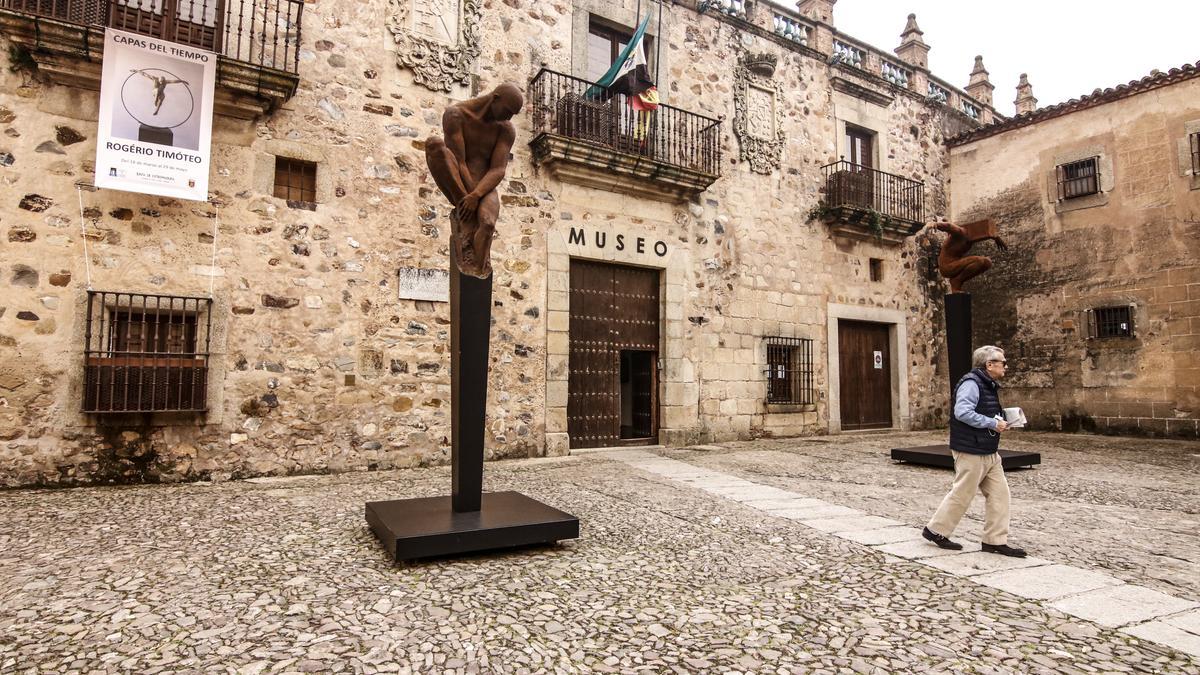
(429, 527)
(939, 455)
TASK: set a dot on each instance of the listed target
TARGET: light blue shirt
(964, 407)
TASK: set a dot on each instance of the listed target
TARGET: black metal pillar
(470, 327)
(958, 336)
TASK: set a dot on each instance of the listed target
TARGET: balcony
(591, 139)
(257, 40)
(864, 203)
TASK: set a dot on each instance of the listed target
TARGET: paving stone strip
(1141, 612)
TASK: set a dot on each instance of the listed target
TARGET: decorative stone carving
(756, 122)
(438, 40)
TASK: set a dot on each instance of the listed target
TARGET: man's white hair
(984, 354)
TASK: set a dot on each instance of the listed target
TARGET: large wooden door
(865, 374)
(613, 326)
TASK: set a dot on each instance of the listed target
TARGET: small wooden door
(865, 374)
(612, 385)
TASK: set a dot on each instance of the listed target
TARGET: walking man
(975, 428)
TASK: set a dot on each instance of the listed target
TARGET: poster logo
(155, 129)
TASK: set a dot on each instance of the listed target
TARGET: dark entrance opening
(637, 394)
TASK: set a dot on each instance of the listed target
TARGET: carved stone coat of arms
(438, 40)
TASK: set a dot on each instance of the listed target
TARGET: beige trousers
(985, 474)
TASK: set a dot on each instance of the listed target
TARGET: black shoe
(942, 542)
(1005, 549)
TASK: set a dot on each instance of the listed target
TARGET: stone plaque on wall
(416, 283)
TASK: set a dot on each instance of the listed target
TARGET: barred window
(1111, 322)
(1079, 179)
(789, 371)
(146, 353)
(295, 180)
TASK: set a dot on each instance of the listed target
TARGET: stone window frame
(264, 169)
(624, 18)
(1187, 146)
(867, 117)
(1104, 165)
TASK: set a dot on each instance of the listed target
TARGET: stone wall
(318, 366)
(1137, 243)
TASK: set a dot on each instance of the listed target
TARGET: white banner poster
(156, 103)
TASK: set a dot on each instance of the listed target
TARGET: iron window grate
(1111, 322)
(295, 180)
(146, 353)
(1079, 179)
(789, 371)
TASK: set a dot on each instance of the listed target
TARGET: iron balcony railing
(146, 353)
(575, 108)
(849, 185)
(260, 32)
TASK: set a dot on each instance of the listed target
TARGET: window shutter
(1059, 179)
(1090, 321)
(1132, 325)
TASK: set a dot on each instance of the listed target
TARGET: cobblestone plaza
(763, 556)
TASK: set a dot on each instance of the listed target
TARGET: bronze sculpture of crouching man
(468, 165)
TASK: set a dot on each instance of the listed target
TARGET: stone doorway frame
(898, 341)
(678, 398)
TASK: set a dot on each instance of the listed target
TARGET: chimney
(817, 10)
(1025, 102)
(980, 88)
(912, 49)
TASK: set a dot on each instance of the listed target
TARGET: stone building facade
(1097, 300)
(767, 265)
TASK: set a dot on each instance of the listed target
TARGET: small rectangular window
(295, 180)
(1194, 139)
(1079, 179)
(789, 371)
(145, 353)
(1111, 322)
(876, 269)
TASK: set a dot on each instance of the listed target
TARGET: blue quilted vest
(963, 436)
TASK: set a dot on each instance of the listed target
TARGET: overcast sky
(1068, 47)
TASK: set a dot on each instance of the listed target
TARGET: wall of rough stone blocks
(322, 367)
(1137, 244)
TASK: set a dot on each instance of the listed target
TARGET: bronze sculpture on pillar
(957, 267)
(953, 262)
(468, 165)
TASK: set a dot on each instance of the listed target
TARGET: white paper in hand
(1015, 418)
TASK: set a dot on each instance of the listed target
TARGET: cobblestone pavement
(671, 573)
